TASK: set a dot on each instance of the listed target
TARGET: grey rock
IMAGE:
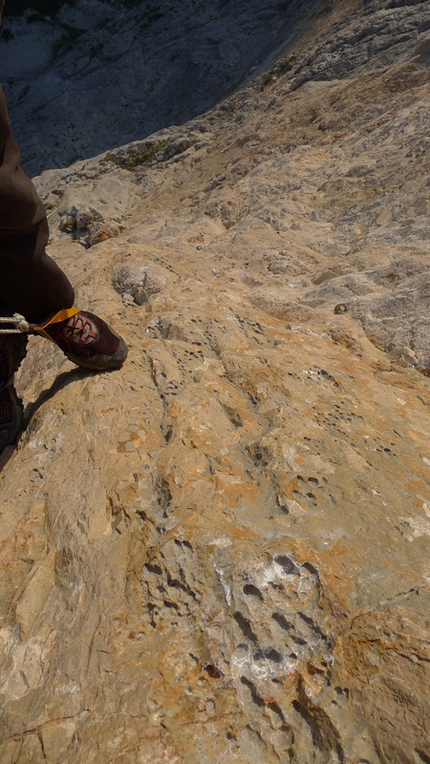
(140, 282)
(70, 99)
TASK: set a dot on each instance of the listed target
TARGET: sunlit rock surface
(220, 553)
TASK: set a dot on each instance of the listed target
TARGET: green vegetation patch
(281, 67)
(286, 64)
(138, 156)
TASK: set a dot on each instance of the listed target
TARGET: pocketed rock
(140, 282)
(87, 226)
(220, 553)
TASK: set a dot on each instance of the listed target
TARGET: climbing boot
(85, 339)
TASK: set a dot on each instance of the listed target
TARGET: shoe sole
(99, 364)
(94, 365)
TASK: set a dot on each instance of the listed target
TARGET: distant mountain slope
(84, 76)
(87, 75)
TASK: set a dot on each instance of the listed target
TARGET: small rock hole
(273, 655)
(254, 694)
(422, 756)
(245, 627)
(310, 568)
(283, 623)
(276, 709)
(213, 671)
(299, 640)
(287, 564)
(251, 590)
(153, 569)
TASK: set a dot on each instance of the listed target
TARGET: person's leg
(30, 282)
(12, 351)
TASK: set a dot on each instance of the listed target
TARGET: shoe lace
(80, 330)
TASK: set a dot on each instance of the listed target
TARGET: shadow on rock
(64, 379)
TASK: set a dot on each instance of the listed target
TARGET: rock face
(95, 74)
(220, 553)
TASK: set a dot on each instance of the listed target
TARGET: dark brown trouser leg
(30, 282)
(12, 352)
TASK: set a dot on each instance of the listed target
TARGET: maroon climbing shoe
(11, 417)
(85, 339)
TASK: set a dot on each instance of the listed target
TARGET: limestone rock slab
(220, 553)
